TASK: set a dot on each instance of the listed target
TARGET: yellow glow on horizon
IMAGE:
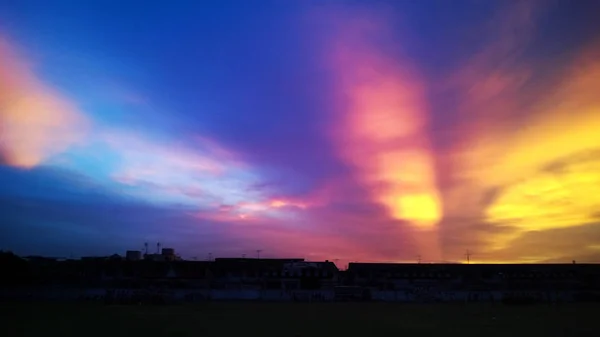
(492, 261)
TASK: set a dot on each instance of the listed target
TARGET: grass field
(305, 319)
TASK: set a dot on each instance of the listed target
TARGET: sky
(389, 131)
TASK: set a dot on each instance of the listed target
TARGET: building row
(248, 278)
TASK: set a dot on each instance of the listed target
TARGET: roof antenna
(258, 253)
(468, 255)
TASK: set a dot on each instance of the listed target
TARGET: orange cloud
(35, 121)
(250, 212)
(381, 126)
(279, 203)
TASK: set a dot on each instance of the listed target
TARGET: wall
(199, 294)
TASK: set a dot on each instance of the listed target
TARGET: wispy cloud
(196, 173)
(551, 165)
(36, 121)
(524, 158)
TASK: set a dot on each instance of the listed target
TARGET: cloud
(380, 128)
(509, 172)
(41, 127)
(113, 225)
(252, 212)
(322, 233)
(194, 172)
(36, 122)
(71, 213)
(58, 211)
(526, 157)
(562, 133)
(381, 125)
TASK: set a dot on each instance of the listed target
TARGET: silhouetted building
(133, 255)
(297, 279)
(155, 257)
(169, 254)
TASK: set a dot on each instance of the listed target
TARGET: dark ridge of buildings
(253, 278)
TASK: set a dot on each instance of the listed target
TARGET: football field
(299, 319)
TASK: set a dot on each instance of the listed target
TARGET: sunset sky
(340, 130)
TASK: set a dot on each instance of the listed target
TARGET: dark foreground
(292, 319)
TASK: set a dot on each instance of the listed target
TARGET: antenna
(209, 256)
(419, 259)
(146, 248)
(468, 255)
(158, 248)
(258, 253)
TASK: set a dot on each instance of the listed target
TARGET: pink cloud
(380, 127)
(36, 121)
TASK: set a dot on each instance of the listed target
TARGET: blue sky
(358, 130)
